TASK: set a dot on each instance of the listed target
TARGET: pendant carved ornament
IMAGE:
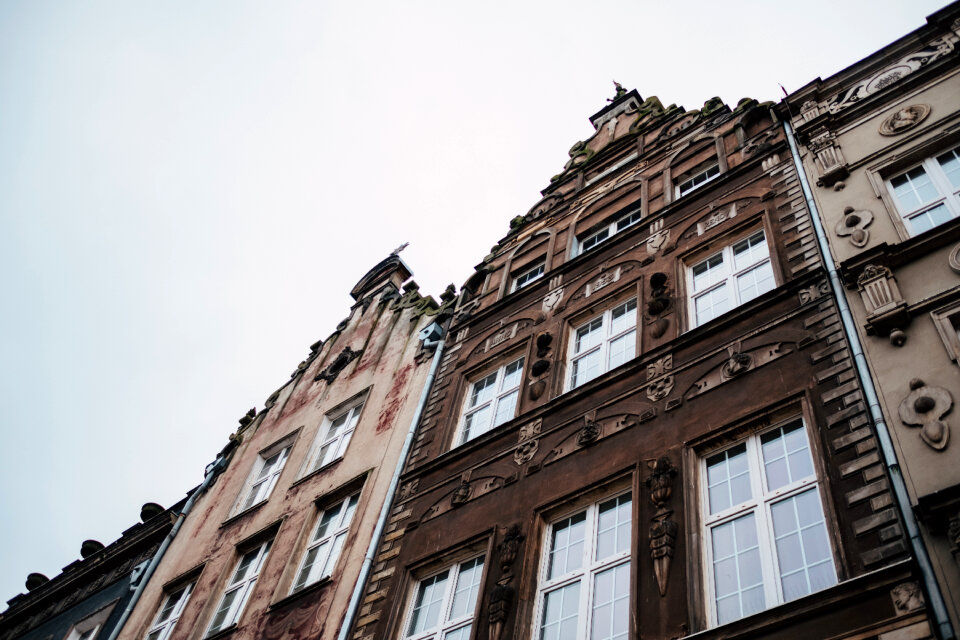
(663, 531)
(925, 407)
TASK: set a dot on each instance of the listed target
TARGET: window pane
(468, 585)
(613, 527)
(755, 282)
(712, 304)
(591, 241)
(624, 317)
(728, 478)
(750, 251)
(913, 189)
(462, 633)
(308, 562)
(611, 603)
(708, 272)
(786, 456)
(426, 610)
(803, 551)
(482, 390)
(589, 335)
(950, 163)
(738, 581)
(559, 620)
(506, 408)
(586, 368)
(628, 221)
(512, 375)
(622, 349)
(566, 547)
(476, 423)
(929, 219)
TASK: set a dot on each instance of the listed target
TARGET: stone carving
(530, 430)
(248, 417)
(663, 531)
(507, 333)
(907, 597)
(551, 300)
(809, 110)
(409, 488)
(500, 598)
(814, 292)
(935, 50)
(716, 217)
(737, 363)
(828, 157)
(525, 452)
(661, 388)
(658, 304)
(461, 494)
(953, 533)
(508, 550)
(954, 259)
(605, 279)
(886, 309)
(339, 363)
(658, 237)
(925, 407)
(904, 119)
(854, 224)
(590, 431)
(660, 366)
(543, 344)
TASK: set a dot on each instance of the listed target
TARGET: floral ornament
(924, 407)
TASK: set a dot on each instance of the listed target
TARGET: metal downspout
(866, 382)
(218, 465)
(388, 501)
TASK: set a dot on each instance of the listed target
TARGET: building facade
(276, 545)
(647, 421)
(880, 142)
(87, 599)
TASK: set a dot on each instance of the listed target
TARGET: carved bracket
(886, 309)
(663, 531)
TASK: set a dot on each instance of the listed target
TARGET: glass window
(734, 275)
(929, 194)
(326, 542)
(532, 274)
(584, 587)
(603, 343)
(491, 401)
(766, 531)
(444, 604)
(697, 178)
(239, 588)
(169, 613)
(266, 471)
(334, 436)
(598, 235)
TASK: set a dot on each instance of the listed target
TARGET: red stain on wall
(394, 399)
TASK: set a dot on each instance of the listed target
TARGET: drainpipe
(212, 471)
(866, 382)
(394, 481)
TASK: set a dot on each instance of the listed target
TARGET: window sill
(296, 595)
(239, 516)
(315, 472)
(223, 633)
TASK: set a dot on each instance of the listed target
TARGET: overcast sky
(189, 190)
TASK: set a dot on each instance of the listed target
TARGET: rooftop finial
(620, 92)
(400, 248)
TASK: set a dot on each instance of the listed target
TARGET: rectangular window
(326, 542)
(445, 603)
(697, 178)
(603, 343)
(947, 321)
(169, 613)
(929, 194)
(734, 275)
(766, 535)
(491, 401)
(598, 235)
(238, 590)
(266, 471)
(334, 436)
(532, 274)
(584, 583)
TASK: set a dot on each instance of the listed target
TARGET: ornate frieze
(737, 363)
(904, 119)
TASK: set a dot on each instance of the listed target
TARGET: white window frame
(728, 276)
(529, 276)
(947, 321)
(326, 545)
(590, 567)
(264, 475)
(696, 177)
(948, 195)
(448, 622)
(332, 445)
(760, 505)
(500, 393)
(174, 601)
(608, 230)
(89, 628)
(242, 585)
(607, 338)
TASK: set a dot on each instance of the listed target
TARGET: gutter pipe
(388, 502)
(212, 471)
(866, 383)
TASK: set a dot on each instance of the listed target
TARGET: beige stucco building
(294, 511)
(880, 143)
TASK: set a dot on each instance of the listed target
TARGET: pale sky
(189, 190)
